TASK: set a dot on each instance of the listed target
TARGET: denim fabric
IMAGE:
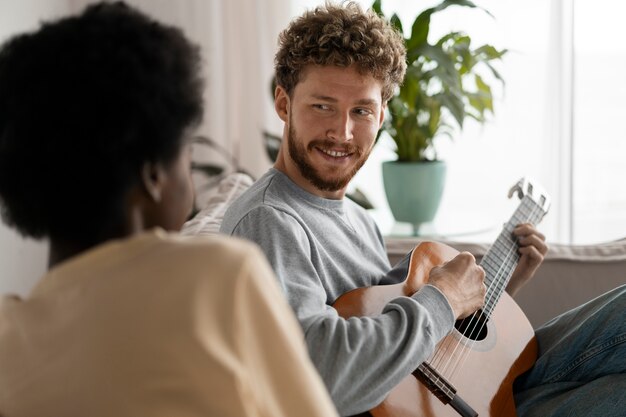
(581, 368)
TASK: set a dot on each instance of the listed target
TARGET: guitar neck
(502, 257)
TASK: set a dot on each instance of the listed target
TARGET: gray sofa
(569, 276)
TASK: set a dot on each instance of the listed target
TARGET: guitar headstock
(530, 189)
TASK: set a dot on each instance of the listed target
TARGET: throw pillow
(208, 220)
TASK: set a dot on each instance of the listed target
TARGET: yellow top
(157, 325)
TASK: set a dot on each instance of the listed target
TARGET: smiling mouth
(334, 154)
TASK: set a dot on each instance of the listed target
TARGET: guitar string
(445, 346)
(437, 379)
(469, 320)
(475, 317)
(474, 323)
(532, 217)
(440, 353)
(497, 288)
(448, 340)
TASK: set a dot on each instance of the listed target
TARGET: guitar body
(488, 363)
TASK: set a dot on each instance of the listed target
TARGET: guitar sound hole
(473, 327)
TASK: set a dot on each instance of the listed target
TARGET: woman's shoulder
(210, 248)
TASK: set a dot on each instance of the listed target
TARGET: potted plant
(444, 84)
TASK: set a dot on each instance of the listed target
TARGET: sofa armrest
(569, 276)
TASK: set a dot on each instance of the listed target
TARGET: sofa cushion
(208, 220)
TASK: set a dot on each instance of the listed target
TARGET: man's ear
(281, 103)
(152, 179)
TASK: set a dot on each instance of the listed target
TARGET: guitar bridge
(442, 389)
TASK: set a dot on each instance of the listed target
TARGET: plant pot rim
(436, 161)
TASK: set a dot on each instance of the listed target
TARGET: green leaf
(435, 117)
(447, 3)
(495, 72)
(437, 54)
(377, 7)
(443, 85)
(466, 3)
(419, 30)
(489, 52)
(448, 37)
(455, 105)
(478, 105)
(482, 88)
(411, 89)
(407, 133)
(396, 23)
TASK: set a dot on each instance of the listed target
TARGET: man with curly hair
(336, 68)
(96, 116)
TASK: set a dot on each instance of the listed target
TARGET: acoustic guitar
(472, 370)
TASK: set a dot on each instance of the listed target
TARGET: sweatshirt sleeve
(359, 359)
(272, 346)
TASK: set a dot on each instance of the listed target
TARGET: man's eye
(363, 112)
(321, 107)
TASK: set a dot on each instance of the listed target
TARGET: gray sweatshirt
(320, 249)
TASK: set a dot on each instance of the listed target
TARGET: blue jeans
(581, 368)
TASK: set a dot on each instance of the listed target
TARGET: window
(557, 120)
(599, 109)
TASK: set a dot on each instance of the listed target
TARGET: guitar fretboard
(502, 257)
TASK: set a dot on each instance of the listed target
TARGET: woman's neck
(63, 249)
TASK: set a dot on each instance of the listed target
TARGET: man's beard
(299, 155)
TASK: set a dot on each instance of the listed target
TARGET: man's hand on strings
(532, 248)
(462, 282)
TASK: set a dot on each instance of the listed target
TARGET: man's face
(331, 121)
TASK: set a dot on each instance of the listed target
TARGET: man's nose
(341, 130)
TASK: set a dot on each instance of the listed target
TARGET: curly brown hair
(341, 35)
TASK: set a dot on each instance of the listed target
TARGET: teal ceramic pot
(414, 189)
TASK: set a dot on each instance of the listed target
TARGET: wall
(23, 261)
